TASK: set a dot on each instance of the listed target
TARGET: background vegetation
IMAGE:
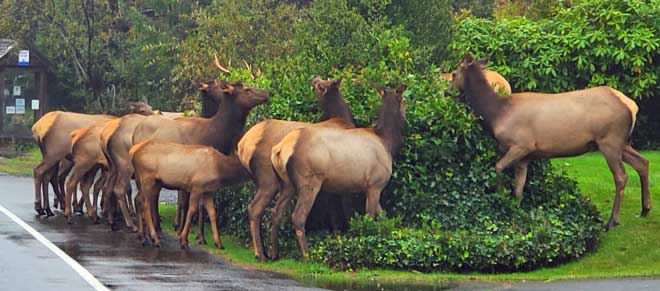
(447, 210)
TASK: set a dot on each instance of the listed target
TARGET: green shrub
(614, 43)
(451, 210)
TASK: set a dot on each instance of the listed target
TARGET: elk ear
(202, 86)
(336, 83)
(468, 59)
(401, 89)
(482, 62)
(131, 106)
(227, 87)
(380, 90)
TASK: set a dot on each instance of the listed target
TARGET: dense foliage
(448, 209)
(614, 43)
(453, 212)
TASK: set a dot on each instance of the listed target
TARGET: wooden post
(2, 100)
(43, 94)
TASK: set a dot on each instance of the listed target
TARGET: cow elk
(197, 170)
(254, 150)
(530, 126)
(336, 160)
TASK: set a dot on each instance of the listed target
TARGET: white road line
(70, 261)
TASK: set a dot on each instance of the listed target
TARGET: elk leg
(265, 194)
(71, 188)
(85, 186)
(46, 204)
(150, 190)
(641, 165)
(306, 196)
(373, 207)
(213, 218)
(139, 208)
(98, 185)
(56, 186)
(65, 167)
(521, 177)
(512, 156)
(39, 171)
(121, 191)
(201, 238)
(178, 216)
(276, 220)
(182, 208)
(615, 163)
(193, 206)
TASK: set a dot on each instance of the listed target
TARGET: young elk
(87, 160)
(198, 170)
(526, 127)
(254, 150)
(116, 139)
(356, 160)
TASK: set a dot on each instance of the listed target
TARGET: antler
(216, 61)
(249, 67)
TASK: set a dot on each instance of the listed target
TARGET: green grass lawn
(632, 249)
(21, 165)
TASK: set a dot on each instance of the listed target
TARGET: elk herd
(289, 159)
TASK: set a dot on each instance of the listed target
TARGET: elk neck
(226, 127)
(209, 107)
(333, 105)
(482, 99)
(390, 125)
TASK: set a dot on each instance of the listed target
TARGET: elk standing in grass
(530, 126)
(256, 145)
(358, 160)
(198, 170)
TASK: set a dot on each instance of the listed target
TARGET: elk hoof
(184, 245)
(612, 224)
(39, 211)
(219, 246)
(133, 228)
(49, 213)
(145, 243)
(114, 227)
(157, 244)
(201, 241)
(645, 212)
(273, 256)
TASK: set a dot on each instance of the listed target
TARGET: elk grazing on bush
(116, 140)
(357, 160)
(530, 126)
(197, 170)
(496, 81)
(254, 150)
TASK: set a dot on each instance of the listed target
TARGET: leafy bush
(614, 43)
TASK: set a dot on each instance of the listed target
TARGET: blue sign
(24, 58)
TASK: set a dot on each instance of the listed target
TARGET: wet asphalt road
(118, 260)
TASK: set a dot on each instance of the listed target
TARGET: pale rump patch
(137, 147)
(41, 127)
(282, 152)
(248, 144)
(109, 129)
(77, 134)
(632, 106)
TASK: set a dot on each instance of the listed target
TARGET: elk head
(322, 87)
(394, 97)
(467, 66)
(242, 95)
(140, 107)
